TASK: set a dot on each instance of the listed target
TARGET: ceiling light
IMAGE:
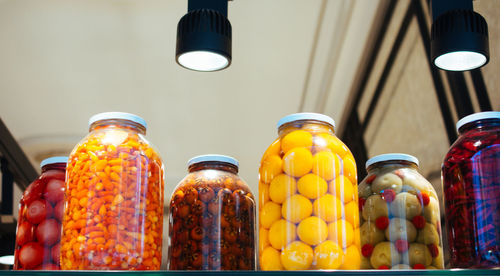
(204, 36)
(459, 36)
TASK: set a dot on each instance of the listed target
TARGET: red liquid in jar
(471, 175)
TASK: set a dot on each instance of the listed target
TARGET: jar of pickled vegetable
(40, 215)
(400, 219)
(308, 198)
(212, 218)
(471, 182)
(114, 198)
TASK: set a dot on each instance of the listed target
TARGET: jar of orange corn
(308, 198)
(114, 198)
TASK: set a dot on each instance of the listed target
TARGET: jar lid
(54, 160)
(117, 115)
(478, 116)
(213, 157)
(391, 157)
(306, 116)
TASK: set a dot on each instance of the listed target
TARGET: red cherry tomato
(39, 210)
(25, 233)
(48, 232)
(31, 255)
(50, 174)
(55, 253)
(50, 266)
(54, 191)
(33, 192)
(59, 210)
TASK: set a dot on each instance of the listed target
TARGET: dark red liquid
(471, 175)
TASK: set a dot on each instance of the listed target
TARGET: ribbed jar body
(308, 199)
(471, 182)
(400, 218)
(114, 201)
(212, 220)
(39, 223)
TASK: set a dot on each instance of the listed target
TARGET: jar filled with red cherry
(471, 183)
(40, 214)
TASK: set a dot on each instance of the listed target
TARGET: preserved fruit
(212, 218)
(471, 182)
(400, 219)
(39, 228)
(114, 198)
(308, 199)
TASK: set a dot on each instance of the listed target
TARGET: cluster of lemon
(308, 202)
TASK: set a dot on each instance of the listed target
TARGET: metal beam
(18, 163)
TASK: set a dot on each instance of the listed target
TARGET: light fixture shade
(204, 41)
(459, 41)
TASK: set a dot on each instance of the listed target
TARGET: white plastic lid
(54, 160)
(306, 116)
(477, 117)
(391, 157)
(117, 115)
(213, 157)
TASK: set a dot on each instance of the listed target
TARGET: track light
(459, 36)
(204, 36)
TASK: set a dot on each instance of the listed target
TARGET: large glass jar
(471, 182)
(400, 219)
(114, 198)
(308, 198)
(212, 218)
(40, 215)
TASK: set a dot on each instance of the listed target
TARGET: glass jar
(471, 182)
(400, 219)
(40, 214)
(308, 199)
(114, 198)
(212, 218)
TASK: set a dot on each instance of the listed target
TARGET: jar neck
(479, 124)
(396, 164)
(213, 165)
(310, 125)
(55, 166)
(125, 124)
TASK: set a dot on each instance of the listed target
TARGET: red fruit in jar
(434, 250)
(55, 253)
(25, 233)
(370, 178)
(54, 191)
(383, 267)
(382, 223)
(388, 195)
(59, 210)
(34, 191)
(367, 250)
(424, 198)
(419, 266)
(51, 174)
(31, 255)
(39, 210)
(50, 266)
(48, 232)
(418, 221)
(361, 203)
(401, 246)
(399, 173)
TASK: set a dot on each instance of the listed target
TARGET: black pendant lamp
(459, 36)
(204, 36)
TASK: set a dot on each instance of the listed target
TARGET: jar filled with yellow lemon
(308, 198)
